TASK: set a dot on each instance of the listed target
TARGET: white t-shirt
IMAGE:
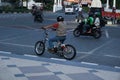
(97, 21)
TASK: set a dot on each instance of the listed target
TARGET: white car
(69, 9)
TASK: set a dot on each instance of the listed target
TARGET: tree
(111, 3)
(39, 0)
(117, 4)
(13, 2)
(104, 1)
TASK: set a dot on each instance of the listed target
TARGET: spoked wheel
(39, 48)
(69, 52)
(96, 34)
(76, 33)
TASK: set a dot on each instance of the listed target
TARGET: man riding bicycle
(60, 32)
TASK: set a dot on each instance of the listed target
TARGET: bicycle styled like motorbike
(66, 51)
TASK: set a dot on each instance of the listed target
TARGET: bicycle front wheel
(39, 48)
(69, 52)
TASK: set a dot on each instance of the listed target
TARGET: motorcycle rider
(60, 32)
(96, 20)
(38, 15)
(90, 22)
(34, 8)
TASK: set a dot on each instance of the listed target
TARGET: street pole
(54, 6)
(107, 6)
(114, 12)
(114, 4)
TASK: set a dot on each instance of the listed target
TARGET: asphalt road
(19, 33)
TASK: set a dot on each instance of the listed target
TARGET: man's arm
(49, 26)
(52, 26)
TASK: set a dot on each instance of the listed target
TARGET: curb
(20, 12)
(61, 61)
(14, 12)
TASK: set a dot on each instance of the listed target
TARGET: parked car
(69, 9)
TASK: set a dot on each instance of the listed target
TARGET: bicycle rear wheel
(39, 48)
(69, 52)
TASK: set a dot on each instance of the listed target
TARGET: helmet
(90, 14)
(97, 14)
(60, 18)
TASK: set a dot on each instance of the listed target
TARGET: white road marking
(58, 59)
(30, 55)
(92, 51)
(17, 44)
(100, 46)
(113, 56)
(89, 63)
(117, 67)
(81, 57)
(5, 52)
(106, 33)
(83, 52)
(28, 27)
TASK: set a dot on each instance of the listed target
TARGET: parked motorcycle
(91, 31)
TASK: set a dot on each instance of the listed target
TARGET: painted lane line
(113, 56)
(89, 63)
(17, 44)
(39, 74)
(58, 59)
(81, 57)
(5, 52)
(117, 67)
(28, 27)
(100, 46)
(92, 51)
(30, 55)
(106, 33)
(83, 52)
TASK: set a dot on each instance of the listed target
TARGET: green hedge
(49, 6)
(7, 9)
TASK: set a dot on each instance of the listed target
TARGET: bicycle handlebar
(45, 30)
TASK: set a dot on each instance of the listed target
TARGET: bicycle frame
(63, 50)
(46, 38)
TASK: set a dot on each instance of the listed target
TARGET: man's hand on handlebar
(43, 28)
(48, 27)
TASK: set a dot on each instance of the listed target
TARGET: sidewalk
(19, 67)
